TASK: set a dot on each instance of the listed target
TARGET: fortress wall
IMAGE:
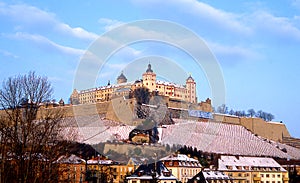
(177, 104)
(126, 148)
(121, 110)
(247, 123)
(270, 130)
(227, 119)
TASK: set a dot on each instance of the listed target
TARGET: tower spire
(149, 68)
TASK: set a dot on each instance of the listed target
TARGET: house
(99, 168)
(253, 169)
(72, 168)
(182, 166)
(154, 172)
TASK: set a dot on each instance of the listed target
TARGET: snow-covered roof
(240, 162)
(97, 161)
(178, 157)
(215, 175)
(71, 159)
(183, 160)
(146, 172)
(169, 84)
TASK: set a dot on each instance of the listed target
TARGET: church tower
(149, 79)
(191, 90)
(121, 79)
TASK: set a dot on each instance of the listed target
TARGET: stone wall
(271, 130)
(122, 110)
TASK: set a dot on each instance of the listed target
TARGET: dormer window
(140, 173)
(167, 173)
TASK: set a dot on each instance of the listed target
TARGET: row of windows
(268, 175)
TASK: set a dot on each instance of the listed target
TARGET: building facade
(182, 166)
(253, 169)
(71, 168)
(174, 91)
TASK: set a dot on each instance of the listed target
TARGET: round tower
(121, 79)
(149, 79)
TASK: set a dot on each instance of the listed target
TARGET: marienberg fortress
(113, 101)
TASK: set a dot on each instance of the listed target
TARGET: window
(267, 175)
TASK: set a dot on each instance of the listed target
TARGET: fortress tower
(149, 79)
(121, 79)
(191, 90)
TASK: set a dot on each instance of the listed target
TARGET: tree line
(223, 109)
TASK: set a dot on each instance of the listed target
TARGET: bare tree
(269, 117)
(31, 136)
(251, 112)
(223, 109)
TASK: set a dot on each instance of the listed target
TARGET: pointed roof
(122, 76)
(61, 101)
(190, 78)
(149, 68)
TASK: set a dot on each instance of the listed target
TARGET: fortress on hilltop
(184, 93)
(116, 100)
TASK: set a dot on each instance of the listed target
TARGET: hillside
(215, 137)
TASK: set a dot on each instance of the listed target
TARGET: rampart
(123, 110)
(270, 130)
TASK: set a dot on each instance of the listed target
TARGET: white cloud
(46, 43)
(109, 24)
(233, 54)
(77, 32)
(8, 54)
(30, 18)
(277, 27)
(200, 13)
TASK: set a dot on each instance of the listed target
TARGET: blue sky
(257, 44)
